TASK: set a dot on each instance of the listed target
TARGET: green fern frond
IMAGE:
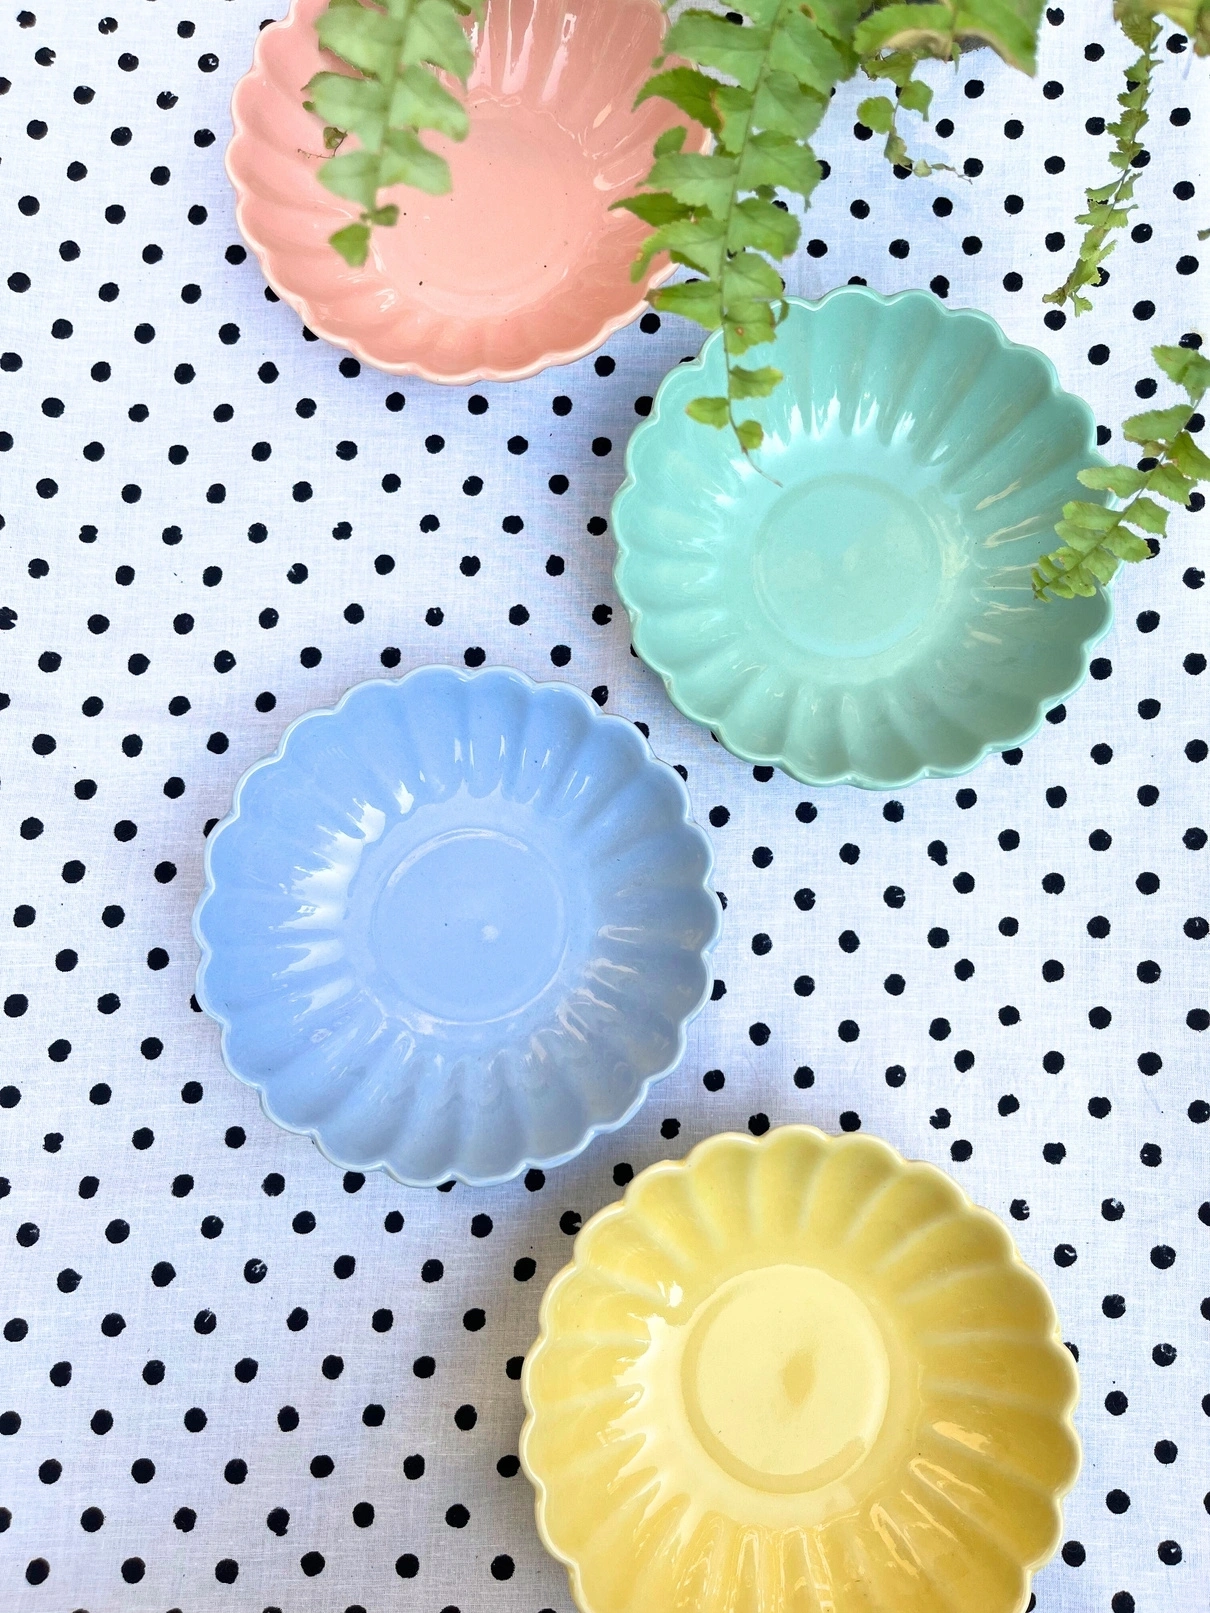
(1110, 206)
(1098, 539)
(760, 80)
(1010, 27)
(761, 85)
(397, 51)
(880, 113)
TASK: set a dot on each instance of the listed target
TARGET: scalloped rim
(729, 1139)
(210, 886)
(672, 383)
(314, 321)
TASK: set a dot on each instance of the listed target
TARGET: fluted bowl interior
(456, 926)
(798, 1374)
(522, 264)
(852, 602)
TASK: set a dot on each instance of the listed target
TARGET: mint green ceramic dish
(854, 604)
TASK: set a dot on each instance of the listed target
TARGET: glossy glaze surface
(522, 265)
(456, 926)
(853, 604)
(798, 1374)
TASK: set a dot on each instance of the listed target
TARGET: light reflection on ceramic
(854, 605)
(798, 1375)
(522, 264)
(456, 926)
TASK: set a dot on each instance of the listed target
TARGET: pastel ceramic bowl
(522, 265)
(853, 603)
(798, 1375)
(456, 926)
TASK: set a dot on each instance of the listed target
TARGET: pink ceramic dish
(522, 265)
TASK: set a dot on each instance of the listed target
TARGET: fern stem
(1086, 270)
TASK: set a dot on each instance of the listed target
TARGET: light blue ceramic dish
(456, 926)
(853, 605)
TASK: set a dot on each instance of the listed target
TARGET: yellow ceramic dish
(798, 1375)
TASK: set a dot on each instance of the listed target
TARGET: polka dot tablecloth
(231, 1377)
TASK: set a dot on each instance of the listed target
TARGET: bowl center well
(523, 211)
(846, 564)
(471, 925)
(785, 1378)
